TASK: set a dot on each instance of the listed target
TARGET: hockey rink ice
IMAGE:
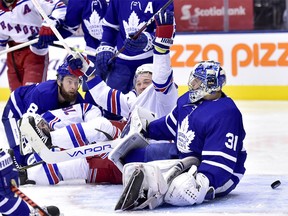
(266, 125)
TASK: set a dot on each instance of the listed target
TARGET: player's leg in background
(35, 68)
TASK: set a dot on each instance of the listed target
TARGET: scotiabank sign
(207, 15)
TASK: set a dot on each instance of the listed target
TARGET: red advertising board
(207, 15)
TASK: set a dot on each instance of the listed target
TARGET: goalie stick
(38, 144)
(135, 36)
(133, 196)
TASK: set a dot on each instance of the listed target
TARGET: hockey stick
(59, 36)
(30, 166)
(135, 36)
(18, 192)
(59, 45)
(55, 44)
(79, 152)
(19, 46)
(52, 27)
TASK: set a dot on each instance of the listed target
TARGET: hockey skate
(39, 125)
(50, 210)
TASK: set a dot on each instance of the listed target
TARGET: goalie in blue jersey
(205, 124)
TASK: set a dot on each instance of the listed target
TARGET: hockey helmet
(63, 70)
(145, 68)
(207, 77)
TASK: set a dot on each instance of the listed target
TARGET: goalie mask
(207, 77)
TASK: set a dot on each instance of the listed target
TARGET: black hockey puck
(275, 184)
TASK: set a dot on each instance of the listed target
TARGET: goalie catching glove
(80, 66)
(189, 188)
(165, 31)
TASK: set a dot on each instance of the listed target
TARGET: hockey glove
(165, 31)
(78, 67)
(104, 53)
(142, 43)
(46, 35)
(188, 189)
(8, 173)
(38, 48)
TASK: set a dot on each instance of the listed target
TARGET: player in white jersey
(160, 94)
(74, 126)
(20, 21)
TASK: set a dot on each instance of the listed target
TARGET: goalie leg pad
(149, 193)
(131, 193)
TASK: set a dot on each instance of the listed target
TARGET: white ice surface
(267, 146)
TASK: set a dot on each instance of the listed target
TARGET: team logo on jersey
(133, 24)
(94, 26)
(185, 136)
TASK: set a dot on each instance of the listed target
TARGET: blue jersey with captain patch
(124, 17)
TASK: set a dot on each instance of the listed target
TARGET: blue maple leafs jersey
(89, 14)
(37, 98)
(211, 130)
(124, 17)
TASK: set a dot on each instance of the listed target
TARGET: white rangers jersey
(160, 97)
(23, 20)
(79, 125)
(77, 113)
